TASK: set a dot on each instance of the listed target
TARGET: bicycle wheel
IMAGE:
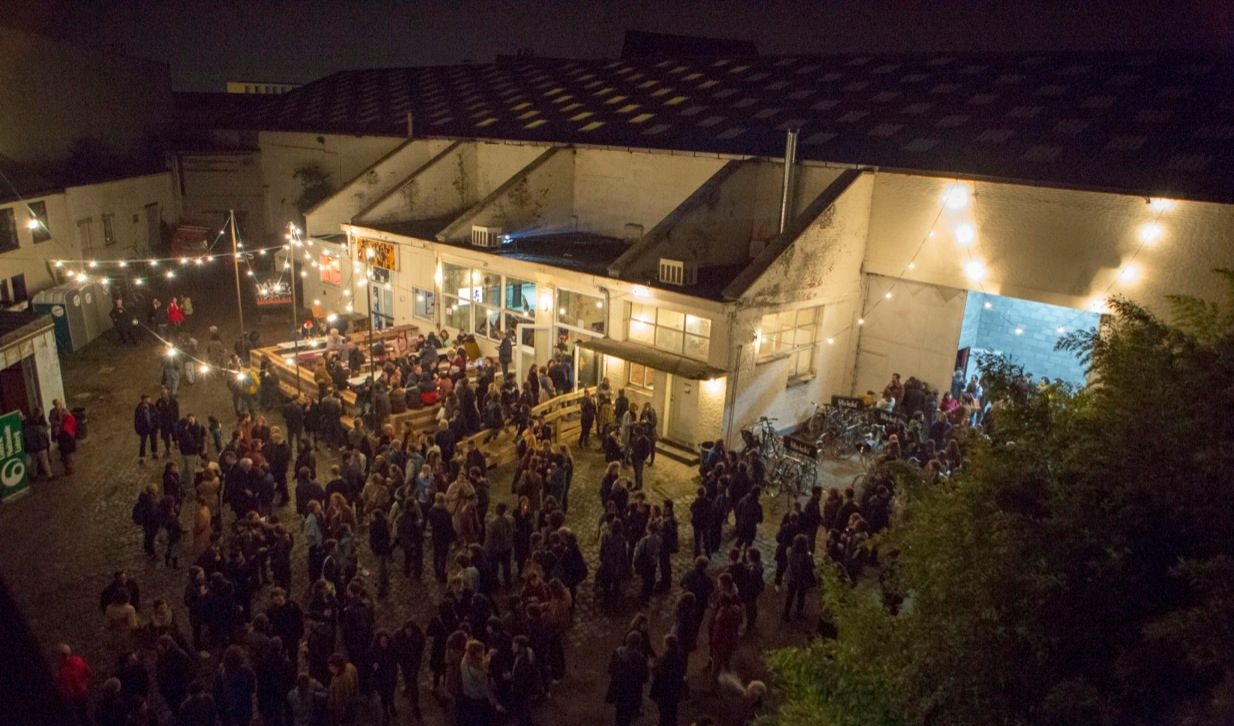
(786, 473)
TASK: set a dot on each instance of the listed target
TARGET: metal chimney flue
(790, 162)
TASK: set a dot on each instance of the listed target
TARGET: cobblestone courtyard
(63, 540)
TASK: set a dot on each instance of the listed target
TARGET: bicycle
(763, 437)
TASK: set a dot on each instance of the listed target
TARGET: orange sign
(377, 253)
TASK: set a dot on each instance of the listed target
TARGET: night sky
(208, 43)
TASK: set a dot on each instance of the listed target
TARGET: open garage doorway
(1025, 332)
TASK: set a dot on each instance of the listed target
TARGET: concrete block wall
(1034, 346)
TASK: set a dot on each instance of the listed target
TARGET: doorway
(154, 227)
(682, 410)
(1025, 332)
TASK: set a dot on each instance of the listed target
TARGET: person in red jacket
(72, 679)
(725, 633)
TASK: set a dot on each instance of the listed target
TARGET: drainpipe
(790, 161)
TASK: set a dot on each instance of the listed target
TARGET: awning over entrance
(658, 359)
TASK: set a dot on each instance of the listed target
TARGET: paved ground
(60, 543)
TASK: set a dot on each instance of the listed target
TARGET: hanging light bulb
(965, 234)
(204, 369)
(861, 321)
(139, 281)
(1160, 205)
(184, 260)
(154, 263)
(170, 274)
(975, 270)
(831, 341)
(303, 273)
(123, 263)
(1129, 273)
(1019, 331)
(200, 261)
(887, 295)
(1150, 233)
(350, 307)
(93, 264)
(347, 292)
(989, 306)
(956, 196)
(58, 263)
(249, 273)
(912, 265)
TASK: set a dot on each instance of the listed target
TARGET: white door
(682, 410)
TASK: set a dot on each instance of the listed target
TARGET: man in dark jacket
(191, 440)
(168, 410)
(587, 418)
(640, 451)
(700, 522)
(286, 619)
(505, 353)
(146, 424)
(812, 516)
(627, 671)
(293, 417)
(442, 526)
(37, 441)
(124, 322)
(749, 513)
(467, 405)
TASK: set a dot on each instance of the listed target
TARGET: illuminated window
(331, 270)
(425, 304)
(792, 334)
(669, 330)
(640, 376)
(38, 222)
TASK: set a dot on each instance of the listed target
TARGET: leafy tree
(1081, 568)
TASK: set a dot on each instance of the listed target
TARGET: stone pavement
(59, 544)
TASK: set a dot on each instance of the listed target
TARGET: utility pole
(235, 261)
(292, 243)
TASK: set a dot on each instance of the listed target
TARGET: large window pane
(8, 230)
(38, 215)
(520, 295)
(458, 313)
(697, 346)
(698, 326)
(426, 304)
(581, 311)
(488, 321)
(668, 339)
(490, 290)
(671, 319)
(456, 280)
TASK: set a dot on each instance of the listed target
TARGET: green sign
(13, 481)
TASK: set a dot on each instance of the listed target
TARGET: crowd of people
(275, 640)
(286, 579)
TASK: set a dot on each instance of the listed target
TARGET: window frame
(642, 383)
(666, 334)
(109, 230)
(8, 228)
(38, 212)
(772, 345)
(423, 304)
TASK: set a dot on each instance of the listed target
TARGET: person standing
(812, 516)
(505, 353)
(668, 681)
(627, 671)
(640, 448)
(800, 576)
(167, 413)
(66, 440)
(648, 419)
(442, 526)
(381, 543)
(293, 417)
(37, 441)
(191, 440)
(72, 681)
(146, 425)
(587, 418)
(499, 541)
(123, 321)
(408, 645)
(145, 514)
(173, 670)
(669, 545)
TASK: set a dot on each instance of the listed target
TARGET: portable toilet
(74, 309)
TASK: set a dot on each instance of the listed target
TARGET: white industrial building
(936, 206)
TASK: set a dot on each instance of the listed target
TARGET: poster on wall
(13, 479)
(376, 253)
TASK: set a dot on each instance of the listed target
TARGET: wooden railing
(559, 411)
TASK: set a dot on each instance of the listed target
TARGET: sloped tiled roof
(1157, 123)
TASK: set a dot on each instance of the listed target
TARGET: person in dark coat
(198, 709)
(668, 681)
(749, 514)
(146, 424)
(234, 688)
(173, 670)
(168, 410)
(523, 681)
(294, 419)
(812, 516)
(408, 644)
(640, 451)
(700, 522)
(441, 523)
(587, 418)
(384, 659)
(286, 620)
(627, 671)
(275, 675)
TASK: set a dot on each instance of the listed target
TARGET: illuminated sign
(376, 253)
